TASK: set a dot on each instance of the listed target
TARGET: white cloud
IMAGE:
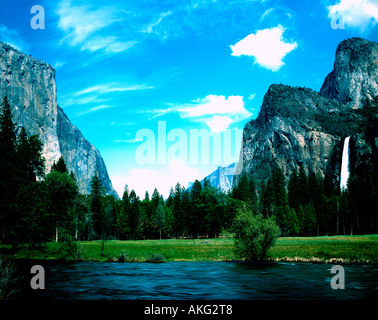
(82, 25)
(218, 112)
(219, 123)
(267, 46)
(360, 14)
(213, 104)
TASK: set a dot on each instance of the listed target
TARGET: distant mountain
(30, 87)
(221, 178)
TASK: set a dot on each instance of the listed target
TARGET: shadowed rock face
(298, 126)
(30, 87)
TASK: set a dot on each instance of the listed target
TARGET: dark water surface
(205, 280)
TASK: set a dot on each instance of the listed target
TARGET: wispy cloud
(151, 27)
(218, 112)
(213, 104)
(96, 108)
(267, 47)
(95, 96)
(112, 87)
(59, 64)
(357, 14)
(87, 27)
(126, 141)
(266, 13)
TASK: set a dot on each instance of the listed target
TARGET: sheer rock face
(354, 78)
(30, 87)
(298, 126)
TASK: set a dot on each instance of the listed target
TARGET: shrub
(254, 234)
(156, 258)
(122, 257)
(69, 251)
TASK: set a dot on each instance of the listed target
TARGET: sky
(163, 89)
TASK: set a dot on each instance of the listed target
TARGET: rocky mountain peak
(354, 78)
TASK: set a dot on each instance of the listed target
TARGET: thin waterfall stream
(345, 165)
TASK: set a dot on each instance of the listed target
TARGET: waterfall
(345, 165)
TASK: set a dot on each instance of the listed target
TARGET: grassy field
(335, 249)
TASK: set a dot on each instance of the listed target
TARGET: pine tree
(160, 218)
(252, 194)
(134, 215)
(195, 218)
(241, 190)
(62, 191)
(8, 174)
(97, 207)
(178, 212)
(60, 165)
(294, 192)
(303, 186)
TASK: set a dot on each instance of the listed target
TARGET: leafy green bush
(254, 234)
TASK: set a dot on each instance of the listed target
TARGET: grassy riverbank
(335, 249)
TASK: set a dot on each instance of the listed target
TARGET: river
(204, 281)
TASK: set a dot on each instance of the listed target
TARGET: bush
(69, 250)
(156, 258)
(254, 234)
(122, 257)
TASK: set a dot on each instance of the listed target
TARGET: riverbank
(334, 249)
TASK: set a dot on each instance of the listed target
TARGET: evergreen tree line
(37, 207)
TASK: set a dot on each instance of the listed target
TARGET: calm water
(205, 280)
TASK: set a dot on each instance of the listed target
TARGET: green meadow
(332, 249)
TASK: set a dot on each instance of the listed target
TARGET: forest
(38, 205)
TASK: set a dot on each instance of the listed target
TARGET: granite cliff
(298, 126)
(30, 87)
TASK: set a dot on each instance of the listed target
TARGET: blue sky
(128, 71)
